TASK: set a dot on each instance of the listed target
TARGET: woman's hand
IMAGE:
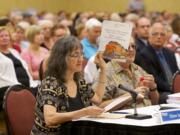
(93, 110)
(100, 61)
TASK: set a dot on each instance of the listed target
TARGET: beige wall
(86, 5)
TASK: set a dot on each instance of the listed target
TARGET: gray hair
(93, 22)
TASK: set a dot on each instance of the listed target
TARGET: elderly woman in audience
(19, 39)
(63, 94)
(13, 70)
(81, 31)
(57, 32)
(46, 26)
(130, 75)
(35, 53)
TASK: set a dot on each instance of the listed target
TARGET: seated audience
(19, 38)
(46, 26)
(81, 31)
(63, 94)
(142, 35)
(90, 44)
(57, 32)
(13, 70)
(34, 54)
(159, 61)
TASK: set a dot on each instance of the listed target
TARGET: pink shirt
(34, 59)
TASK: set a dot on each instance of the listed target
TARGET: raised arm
(99, 90)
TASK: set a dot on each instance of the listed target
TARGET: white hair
(42, 23)
(132, 17)
(23, 24)
(93, 22)
(115, 17)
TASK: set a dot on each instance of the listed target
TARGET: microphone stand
(136, 115)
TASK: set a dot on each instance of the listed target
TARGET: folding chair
(19, 104)
(176, 82)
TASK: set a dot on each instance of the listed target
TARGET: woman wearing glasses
(63, 94)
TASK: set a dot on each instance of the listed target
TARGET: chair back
(19, 105)
(176, 82)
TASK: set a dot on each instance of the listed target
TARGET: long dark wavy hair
(57, 62)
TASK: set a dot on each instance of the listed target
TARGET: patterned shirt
(117, 75)
(53, 93)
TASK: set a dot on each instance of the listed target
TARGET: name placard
(168, 116)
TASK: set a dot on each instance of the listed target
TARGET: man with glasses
(159, 61)
(127, 73)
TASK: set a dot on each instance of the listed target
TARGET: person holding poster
(121, 69)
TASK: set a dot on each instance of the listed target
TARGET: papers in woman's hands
(108, 115)
(117, 103)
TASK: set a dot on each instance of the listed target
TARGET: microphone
(134, 95)
(132, 92)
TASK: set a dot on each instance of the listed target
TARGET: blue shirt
(88, 49)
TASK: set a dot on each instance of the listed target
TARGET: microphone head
(132, 92)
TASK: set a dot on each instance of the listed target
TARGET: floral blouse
(53, 93)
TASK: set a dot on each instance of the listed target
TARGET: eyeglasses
(76, 55)
(144, 26)
(159, 34)
(132, 46)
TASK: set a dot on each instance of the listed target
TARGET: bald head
(157, 35)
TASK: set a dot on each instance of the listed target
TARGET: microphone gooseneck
(132, 92)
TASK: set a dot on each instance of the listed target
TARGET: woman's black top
(21, 73)
(75, 103)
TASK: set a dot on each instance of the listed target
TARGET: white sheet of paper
(117, 102)
(115, 31)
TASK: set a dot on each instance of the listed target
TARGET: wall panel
(86, 5)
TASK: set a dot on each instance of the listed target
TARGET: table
(123, 126)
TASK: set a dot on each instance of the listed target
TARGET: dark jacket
(151, 64)
(139, 47)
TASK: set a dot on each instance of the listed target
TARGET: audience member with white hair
(18, 36)
(90, 44)
(46, 26)
(115, 17)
